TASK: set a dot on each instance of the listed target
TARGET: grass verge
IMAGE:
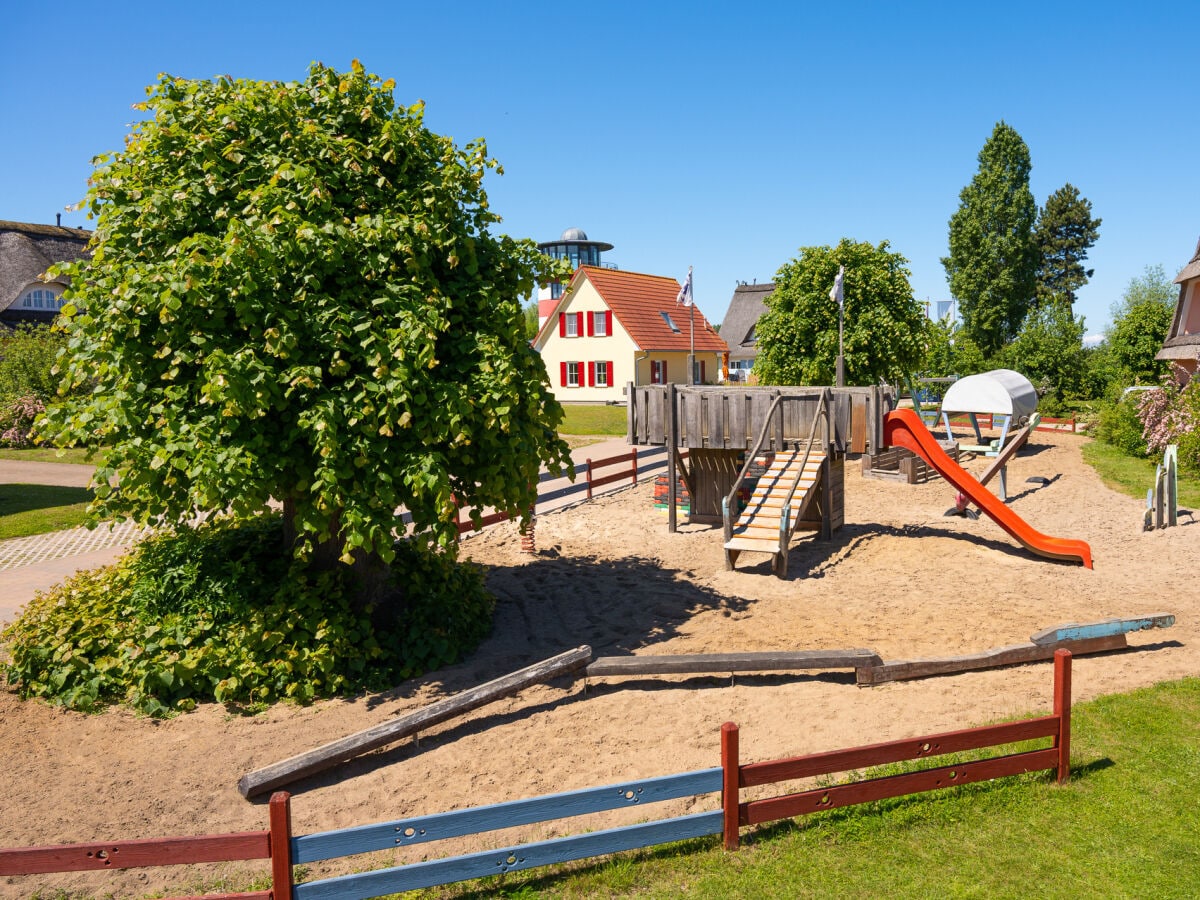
(609, 421)
(27, 509)
(50, 454)
(1132, 475)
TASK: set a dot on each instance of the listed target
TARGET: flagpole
(838, 294)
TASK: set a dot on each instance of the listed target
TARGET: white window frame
(573, 374)
(600, 323)
(606, 381)
(573, 325)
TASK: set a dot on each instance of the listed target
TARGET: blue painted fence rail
(420, 829)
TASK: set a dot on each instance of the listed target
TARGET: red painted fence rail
(278, 845)
(756, 812)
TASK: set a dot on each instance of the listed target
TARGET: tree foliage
(885, 327)
(993, 257)
(950, 352)
(1064, 234)
(294, 295)
(1141, 321)
(1049, 351)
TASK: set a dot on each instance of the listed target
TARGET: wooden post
(672, 442)
(589, 478)
(730, 778)
(281, 845)
(633, 465)
(1062, 709)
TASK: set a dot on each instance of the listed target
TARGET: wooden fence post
(1062, 709)
(589, 478)
(281, 845)
(633, 466)
(730, 777)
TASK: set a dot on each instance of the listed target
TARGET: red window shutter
(591, 374)
(663, 364)
(591, 323)
(702, 371)
(608, 323)
(562, 374)
(562, 332)
(611, 378)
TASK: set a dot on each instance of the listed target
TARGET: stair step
(757, 544)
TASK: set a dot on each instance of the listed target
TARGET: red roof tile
(638, 300)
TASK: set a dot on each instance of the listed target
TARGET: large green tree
(885, 327)
(1064, 234)
(1140, 322)
(993, 256)
(295, 295)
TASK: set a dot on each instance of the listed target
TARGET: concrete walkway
(37, 563)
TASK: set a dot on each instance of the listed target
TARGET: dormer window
(40, 298)
(670, 323)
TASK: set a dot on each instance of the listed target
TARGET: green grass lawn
(1125, 826)
(1134, 476)
(50, 454)
(594, 420)
(27, 509)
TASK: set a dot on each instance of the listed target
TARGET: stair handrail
(822, 412)
(727, 502)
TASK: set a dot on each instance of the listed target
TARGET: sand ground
(898, 578)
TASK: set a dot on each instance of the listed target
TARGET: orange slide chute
(904, 428)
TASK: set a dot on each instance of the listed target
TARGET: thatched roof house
(1182, 345)
(739, 328)
(26, 252)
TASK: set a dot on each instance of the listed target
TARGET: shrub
(27, 356)
(1171, 415)
(1119, 426)
(16, 419)
(220, 612)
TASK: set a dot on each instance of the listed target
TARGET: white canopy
(1001, 392)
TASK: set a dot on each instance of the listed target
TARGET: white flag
(836, 292)
(685, 292)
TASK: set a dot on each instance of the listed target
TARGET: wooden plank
(332, 754)
(240, 895)
(989, 659)
(724, 663)
(775, 808)
(441, 826)
(512, 859)
(715, 403)
(858, 758)
(172, 851)
(736, 421)
(1074, 632)
(858, 424)
(691, 414)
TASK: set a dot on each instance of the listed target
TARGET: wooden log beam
(329, 755)
(903, 670)
(727, 663)
(1074, 632)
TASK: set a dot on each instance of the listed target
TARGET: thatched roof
(1192, 269)
(27, 251)
(745, 307)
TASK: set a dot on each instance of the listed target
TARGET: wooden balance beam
(1096, 637)
(731, 663)
(329, 755)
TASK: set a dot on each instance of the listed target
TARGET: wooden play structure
(799, 434)
(1162, 500)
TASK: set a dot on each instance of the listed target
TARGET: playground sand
(898, 578)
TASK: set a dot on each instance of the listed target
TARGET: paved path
(37, 563)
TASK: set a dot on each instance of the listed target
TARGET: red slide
(904, 428)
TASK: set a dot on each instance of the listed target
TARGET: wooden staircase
(760, 527)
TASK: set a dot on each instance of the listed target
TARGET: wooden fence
(285, 850)
(987, 420)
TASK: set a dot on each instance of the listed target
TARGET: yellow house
(611, 327)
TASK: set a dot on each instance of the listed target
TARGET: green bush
(220, 613)
(27, 356)
(1119, 426)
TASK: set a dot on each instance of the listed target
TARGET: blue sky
(721, 136)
